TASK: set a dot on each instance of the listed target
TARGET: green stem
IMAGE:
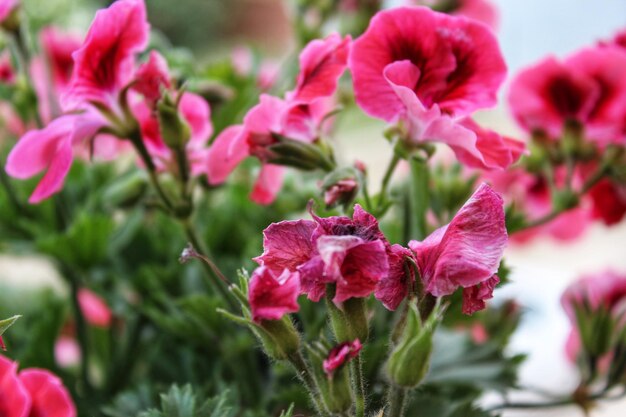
(396, 402)
(305, 375)
(385, 182)
(419, 199)
(356, 369)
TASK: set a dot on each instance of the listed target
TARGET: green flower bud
(301, 155)
(174, 129)
(279, 338)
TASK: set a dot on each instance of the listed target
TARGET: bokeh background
(528, 30)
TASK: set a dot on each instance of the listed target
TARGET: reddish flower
(608, 202)
(468, 250)
(452, 65)
(587, 88)
(105, 63)
(14, 399)
(152, 77)
(394, 288)
(474, 297)
(350, 253)
(271, 295)
(96, 311)
(606, 289)
(299, 118)
(340, 355)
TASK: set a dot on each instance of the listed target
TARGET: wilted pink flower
(474, 297)
(271, 295)
(7, 7)
(587, 88)
(32, 393)
(467, 251)
(152, 78)
(95, 310)
(350, 253)
(48, 395)
(606, 289)
(197, 113)
(105, 63)
(452, 65)
(67, 351)
(340, 355)
(298, 117)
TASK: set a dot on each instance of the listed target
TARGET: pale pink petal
(152, 77)
(222, 157)
(49, 397)
(270, 296)
(268, 184)
(197, 113)
(6, 7)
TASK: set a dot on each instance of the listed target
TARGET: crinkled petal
(333, 250)
(362, 268)
(474, 298)
(287, 245)
(313, 279)
(392, 289)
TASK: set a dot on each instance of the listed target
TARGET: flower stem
(356, 369)
(382, 198)
(419, 198)
(304, 374)
(396, 402)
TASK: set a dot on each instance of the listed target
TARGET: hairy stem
(396, 402)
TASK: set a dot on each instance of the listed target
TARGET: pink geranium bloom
(48, 396)
(587, 88)
(340, 355)
(7, 7)
(152, 78)
(14, 398)
(96, 311)
(480, 10)
(105, 62)
(197, 113)
(467, 251)
(452, 65)
(350, 253)
(606, 289)
(272, 295)
(298, 117)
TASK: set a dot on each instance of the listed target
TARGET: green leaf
(5, 324)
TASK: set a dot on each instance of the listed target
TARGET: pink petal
(362, 268)
(321, 64)
(223, 157)
(49, 397)
(394, 288)
(54, 177)
(333, 250)
(152, 77)
(287, 244)
(313, 280)
(474, 298)
(480, 10)
(105, 62)
(6, 7)
(197, 113)
(14, 398)
(96, 311)
(272, 297)
(67, 352)
(340, 355)
(268, 184)
(467, 251)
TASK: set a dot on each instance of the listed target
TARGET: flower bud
(174, 130)
(279, 338)
(409, 361)
(340, 187)
(302, 155)
(127, 191)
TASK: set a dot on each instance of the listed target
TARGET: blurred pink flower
(481, 10)
(32, 393)
(340, 355)
(587, 87)
(105, 63)
(272, 295)
(467, 251)
(7, 7)
(152, 78)
(351, 253)
(608, 201)
(452, 65)
(298, 117)
(96, 311)
(7, 72)
(67, 351)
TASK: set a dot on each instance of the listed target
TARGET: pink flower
(395, 287)
(7, 7)
(587, 88)
(14, 398)
(298, 117)
(480, 10)
(350, 253)
(51, 72)
(271, 295)
(7, 72)
(608, 202)
(606, 289)
(32, 393)
(340, 355)
(467, 251)
(52, 149)
(452, 65)
(105, 63)
(197, 113)
(95, 310)
(152, 77)
(67, 352)
(48, 396)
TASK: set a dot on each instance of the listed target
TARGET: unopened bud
(302, 155)
(174, 129)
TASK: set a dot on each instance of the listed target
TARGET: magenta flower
(152, 78)
(608, 201)
(340, 355)
(32, 393)
(7, 7)
(298, 117)
(271, 296)
(94, 308)
(105, 63)
(467, 251)
(395, 287)
(350, 253)
(587, 88)
(480, 10)
(452, 65)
